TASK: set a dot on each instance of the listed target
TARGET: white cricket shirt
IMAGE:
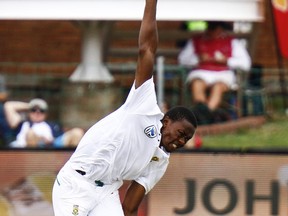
(125, 144)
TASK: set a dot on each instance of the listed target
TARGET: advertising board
(222, 184)
(197, 183)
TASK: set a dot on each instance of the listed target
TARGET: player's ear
(165, 120)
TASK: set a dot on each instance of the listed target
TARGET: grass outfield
(271, 135)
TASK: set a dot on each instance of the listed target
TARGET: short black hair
(179, 113)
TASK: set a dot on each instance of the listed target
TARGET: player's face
(176, 134)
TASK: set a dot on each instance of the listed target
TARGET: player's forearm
(148, 40)
(133, 198)
(126, 213)
(131, 204)
(148, 37)
(130, 208)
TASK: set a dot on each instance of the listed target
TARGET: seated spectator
(213, 55)
(36, 131)
(6, 133)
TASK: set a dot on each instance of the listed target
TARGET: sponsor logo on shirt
(150, 131)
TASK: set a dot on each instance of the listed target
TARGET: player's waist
(78, 173)
(98, 183)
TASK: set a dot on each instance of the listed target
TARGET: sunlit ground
(272, 134)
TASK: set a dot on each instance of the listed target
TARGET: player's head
(179, 126)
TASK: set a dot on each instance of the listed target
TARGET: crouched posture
(132, 143)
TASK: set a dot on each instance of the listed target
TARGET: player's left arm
(133, 198)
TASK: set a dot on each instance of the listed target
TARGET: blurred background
(82, 63)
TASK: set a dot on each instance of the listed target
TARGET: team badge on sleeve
(150, 131)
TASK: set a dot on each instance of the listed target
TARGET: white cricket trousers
(73, 195)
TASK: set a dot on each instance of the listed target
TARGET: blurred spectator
(6, 133)
(36, 131)
(3, 91)
(213, 55)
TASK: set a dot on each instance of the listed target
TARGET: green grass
(271, 135)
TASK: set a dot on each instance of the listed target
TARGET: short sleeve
(154, 171)
(143, 99)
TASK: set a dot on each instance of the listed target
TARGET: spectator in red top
(213, 55)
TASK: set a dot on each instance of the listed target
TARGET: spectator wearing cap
(35, 131)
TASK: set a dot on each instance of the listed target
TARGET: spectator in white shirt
(36, 131)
